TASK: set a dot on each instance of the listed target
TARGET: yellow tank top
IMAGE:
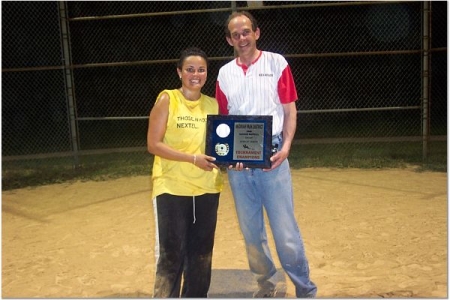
(186, 131)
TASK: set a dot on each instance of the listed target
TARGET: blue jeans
(254, 189)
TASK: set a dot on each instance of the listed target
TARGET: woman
(186, 182)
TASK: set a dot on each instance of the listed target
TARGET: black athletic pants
(185, 226)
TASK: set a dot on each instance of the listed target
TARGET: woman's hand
(205, 162)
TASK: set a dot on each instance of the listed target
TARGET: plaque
(240, 138)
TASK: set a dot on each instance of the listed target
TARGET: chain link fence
(80, 77)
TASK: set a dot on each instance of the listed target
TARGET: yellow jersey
(186, 132)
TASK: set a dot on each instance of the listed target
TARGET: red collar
(244, 66)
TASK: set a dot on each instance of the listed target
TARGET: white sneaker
(267, 290)
(265, 293)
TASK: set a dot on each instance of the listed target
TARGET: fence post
(425, 79)
(68, 80)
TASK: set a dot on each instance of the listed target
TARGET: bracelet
(195, 159)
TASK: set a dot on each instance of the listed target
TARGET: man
(261, 83)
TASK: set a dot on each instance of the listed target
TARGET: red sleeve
(221, 100)
(286, 87)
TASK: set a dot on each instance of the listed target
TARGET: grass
(19, 174)
(30, 173)
(370, 155)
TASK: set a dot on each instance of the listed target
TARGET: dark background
(357, 66)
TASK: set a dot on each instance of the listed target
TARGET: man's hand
(277, 159)
(238, 167)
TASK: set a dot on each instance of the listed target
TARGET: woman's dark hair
(237, 14)
(192, 51)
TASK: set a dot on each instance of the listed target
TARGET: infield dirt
(367, 234)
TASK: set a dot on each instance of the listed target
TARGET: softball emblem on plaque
(222, 149)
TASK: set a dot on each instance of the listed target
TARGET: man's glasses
(237, 36)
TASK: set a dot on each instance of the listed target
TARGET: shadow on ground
(227, 284)
(239, 284)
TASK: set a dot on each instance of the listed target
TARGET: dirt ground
(367, 233)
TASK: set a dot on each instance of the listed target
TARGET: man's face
(243, 38)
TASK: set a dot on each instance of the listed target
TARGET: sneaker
(265, 293)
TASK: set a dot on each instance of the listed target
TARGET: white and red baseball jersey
(259, 89)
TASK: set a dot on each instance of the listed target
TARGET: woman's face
(194, 72)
